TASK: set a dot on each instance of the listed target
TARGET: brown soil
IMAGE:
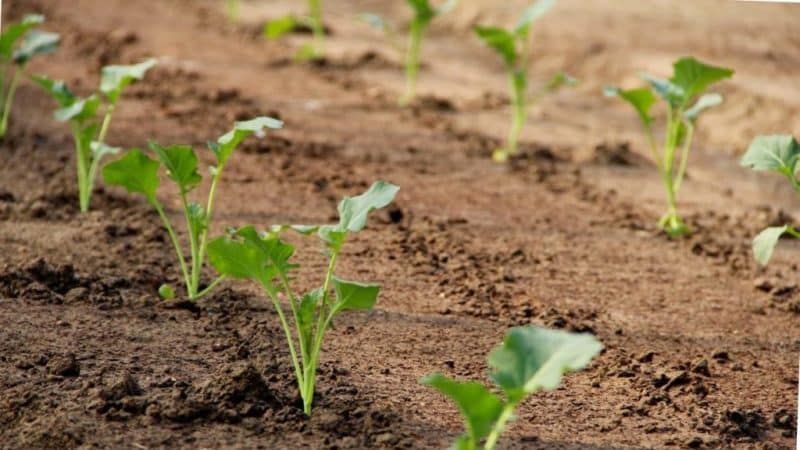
(701, 345)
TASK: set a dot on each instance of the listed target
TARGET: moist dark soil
(701, 344)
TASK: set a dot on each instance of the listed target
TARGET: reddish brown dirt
(701, 345)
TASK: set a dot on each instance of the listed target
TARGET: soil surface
(701, 344)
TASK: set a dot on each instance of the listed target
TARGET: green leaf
(332, 235)
(114, 79)
(532, 13)
(181, 164)
(480, 408)
(227, 143)
(351, 295)
(353, 211)
(501, 41)
(422, 10)
(560, 80)
(237, 259)
(274, 29)
(532, 358)
(305, 316)
(764, 244)
(272, 247)
(36, 43)
(13, 32)
(703, 103)
(85, 138)
(693, 77)
(101, 150)
(665, 89)
(166, 292)
(777, 153)
(641, 99)
(197, 218)
(80, 110)
(136, 172)
(57, 89)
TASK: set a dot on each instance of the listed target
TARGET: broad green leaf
(228, 142)
(422, 10)
(136, 172)
(532, 13)
(352, 295)
(532, 358)
(237, 259)
(332, 235)
(693, 77)
(641, 99)
(181, 164)
(274, 29)
(764, 244)
(672, 93)
(276, 251)
(480, 408)
(100, 150)
(13, 32)
(703, 103)
(353, 211)
(57, 89)
(36, 43)
(778, 153)
(114, 79)
(80, 110)
(501, 41)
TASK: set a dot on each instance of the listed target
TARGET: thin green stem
(175, 242)
(194, 280)
(499, 426)
(12, 89)
(81, 160)
(197, 264)
(317, 28)
(687, 144)
(412, 61)
(288, 333)
(211, 286)
(295, 313)
(519, 113)
(101, 137)
(233, 10)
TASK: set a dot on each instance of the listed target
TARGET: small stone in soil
(65, 366)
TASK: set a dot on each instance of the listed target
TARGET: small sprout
(777, 154)
(513, 47)
(138, 173)
(530, 359)
(88, 131)
(166, 292)
(265, 259)
(20, 43)
(233, 8)
(685, 98)
(276, 28)
(424, 13)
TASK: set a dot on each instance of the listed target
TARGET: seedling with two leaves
(82, 113)
(686, 100)
(19, 43)
(138, 173)
(529, 360)
(276, 28)
(424, 13)
(266, 259)
(779, 154)
(513, 46)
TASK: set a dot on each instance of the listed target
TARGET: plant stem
(175, 242)
(191, 288)
(687, 143)
(94, 163)
(317, 28)
(81, 160)
(499, 426)
(233, 10)
(288, 333)
(210, 287)
(518, 110)
(197, 263)
(12, 89)
(412, 61)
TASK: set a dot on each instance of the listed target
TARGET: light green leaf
(777, 153)
(57, 89)
(228, 142)
(532, 13)
(353, 211)
(764, 244)
(36, 43)
(114, 79)
(181, 164)
(703, 103)
(479, 407)
(166, 292)
(693, 77)
(237, 259)
(422, 10)
(305, 316)
(672, 93)
(135, 172)
(272, 247)
(332, 235)
(80, 110)
(13, 32)
(351, 295)
(641, 99)
(560, 80)
(197, 218)
(501, 41)
(101, 150)
(532, 358)
(276, 28)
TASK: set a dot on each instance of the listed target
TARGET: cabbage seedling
(276, 28)
(19, 43)
(265, 259)
(88, 131)
(138, 173)
(424, 13)
(777, 154)
(686, 100)
(529, 360)
(513, 46)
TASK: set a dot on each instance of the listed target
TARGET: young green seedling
(265, 259)
(529, 360)
(233, 9)
(513, 46)
(88, 131)
(685, 99)
(15, 54)
(138, 173)
(424, 13)
(276, 28)
(779, 154)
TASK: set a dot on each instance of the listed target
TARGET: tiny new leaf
(353, 211)
(641, 99)
(531, 14)
(181, 164)
(101, 150)
(703, 103)
(777, 153)
(114, 79)
(422, 9)
(13, 32)
(36, 43)
(80, 110)
(57, 89)
(501, 41)
(228, 142)
(764, 244)
(274, 29)
(135, 172)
